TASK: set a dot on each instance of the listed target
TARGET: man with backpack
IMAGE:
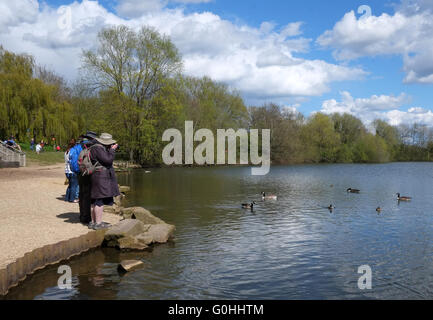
(84, 181)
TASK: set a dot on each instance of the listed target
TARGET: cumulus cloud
(16, 12)
(292, 29)
(385, 107)
(263, 63)
(413, 115)
(350, 105)
(408, 32)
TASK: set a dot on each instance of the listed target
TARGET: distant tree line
(133, 86)
(340, 138)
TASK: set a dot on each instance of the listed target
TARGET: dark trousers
(84, 183)
(71, 192)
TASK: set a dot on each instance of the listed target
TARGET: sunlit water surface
(293, 248)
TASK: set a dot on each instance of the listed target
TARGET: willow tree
(135, 67)
(29, 107)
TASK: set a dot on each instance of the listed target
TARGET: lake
(293, 248)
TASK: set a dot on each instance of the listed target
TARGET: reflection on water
(293, 248)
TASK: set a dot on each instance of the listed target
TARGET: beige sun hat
(106, 139)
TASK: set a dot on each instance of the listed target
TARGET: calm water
(293, 248)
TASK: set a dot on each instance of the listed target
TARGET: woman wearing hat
(104, 183)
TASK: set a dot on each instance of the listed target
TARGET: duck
(269, 197)
(378, 209)
(402, 198)
(249, 206)
(350, 190)
(331, 207)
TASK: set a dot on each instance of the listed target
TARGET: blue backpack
(74, 153)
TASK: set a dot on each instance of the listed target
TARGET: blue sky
(329, 60)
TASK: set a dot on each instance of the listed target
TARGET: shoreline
(37, 227)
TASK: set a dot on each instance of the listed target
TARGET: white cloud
(260, 62)
(408, 32)
(15, 12)
(414, 6)
(385, 107)
(290, 109)
(292, 29)
(136, 8)
(360, 105)
(413, 115)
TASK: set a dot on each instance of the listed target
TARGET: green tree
(320, 139)
(28, 106)
(389, 134)
(135, 66)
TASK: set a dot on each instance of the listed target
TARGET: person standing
(104, 185)
(71, 192)
(38, 148)
(84, 181)
(32, 144)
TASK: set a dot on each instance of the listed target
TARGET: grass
(45, 158)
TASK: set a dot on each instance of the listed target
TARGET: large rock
(123, 235)
(133, 234)
(157, 233)
(115, 209)
(124, 189)
(118, 200)
(141, 214)
(161, 233)
(129, 265)
(129, 243)
(125, 228)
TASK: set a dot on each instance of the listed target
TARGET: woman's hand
(114, 146)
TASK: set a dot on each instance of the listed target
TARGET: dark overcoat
(104, 182)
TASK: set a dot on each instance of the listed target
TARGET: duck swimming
(331, 207)
(268, 197)
(350, 190)
(248, 206)
(402, 198)
(378, 209)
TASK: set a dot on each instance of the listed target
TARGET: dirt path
(33, 212)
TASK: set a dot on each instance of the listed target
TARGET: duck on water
(249, 205)
(351, 190)
(268, 197)
(403, 198)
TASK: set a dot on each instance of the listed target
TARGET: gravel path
(33, 212)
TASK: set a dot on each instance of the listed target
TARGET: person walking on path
(71, 192)
(104, 183)
(84, 182)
